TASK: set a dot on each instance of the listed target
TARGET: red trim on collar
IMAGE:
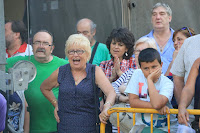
(22, 49)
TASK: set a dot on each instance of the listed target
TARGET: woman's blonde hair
(78, 40)
(150, 41)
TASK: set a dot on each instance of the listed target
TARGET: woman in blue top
(75, 109)
(3, 107)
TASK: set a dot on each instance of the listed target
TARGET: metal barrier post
(118, 127)
(151, 123)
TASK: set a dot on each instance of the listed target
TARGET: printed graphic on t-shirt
(140, 91)
(158, 120)
(14, 111)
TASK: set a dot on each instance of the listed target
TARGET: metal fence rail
(142, 110)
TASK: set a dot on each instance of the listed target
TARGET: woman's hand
(117, 66)
(56, 114)
(103, 116)
(164, 110)
(183, 116)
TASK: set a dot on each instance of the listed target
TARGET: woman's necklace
(77, 80)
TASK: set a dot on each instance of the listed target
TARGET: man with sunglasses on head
(161, 16)
(41, 110)
(100, 52)
(16, 36)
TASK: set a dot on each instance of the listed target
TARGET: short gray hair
(92, 24)
(166, 6)
(150, 41)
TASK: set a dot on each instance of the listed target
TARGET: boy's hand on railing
(164, 110)
(183, 116)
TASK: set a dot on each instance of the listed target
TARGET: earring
(126, 54)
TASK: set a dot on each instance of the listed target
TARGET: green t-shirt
(101, 54)
(41, 111)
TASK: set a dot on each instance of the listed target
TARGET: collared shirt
(125, 65)
(25, 49)
(166, 55)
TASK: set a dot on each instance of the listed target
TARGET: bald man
(87, 27)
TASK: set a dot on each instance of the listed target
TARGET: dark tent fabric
(60, 17)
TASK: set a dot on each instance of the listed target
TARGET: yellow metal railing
(142, 110)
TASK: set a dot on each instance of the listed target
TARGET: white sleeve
(178, 67)
(166, 88)
(124, 78)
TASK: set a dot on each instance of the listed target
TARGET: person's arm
(26, 119)
(169, 68)
(157, 101)
(46, 88)
(122, 98)
(188, 93)
(135, 102)
(178, 87)
(103, 83)
(170, 65)
(122, 79)
(113, 75)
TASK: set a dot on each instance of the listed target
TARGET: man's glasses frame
(45, 44)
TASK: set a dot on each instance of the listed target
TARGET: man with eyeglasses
(100, 52)
(16, 36)
(161, 16)
(41, 110)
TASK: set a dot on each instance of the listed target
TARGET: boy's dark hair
(149, 55)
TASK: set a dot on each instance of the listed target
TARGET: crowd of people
(74, 94)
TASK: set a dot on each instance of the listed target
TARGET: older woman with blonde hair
(75, 109)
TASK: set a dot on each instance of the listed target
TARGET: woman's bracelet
(54, 101)
(108, 103)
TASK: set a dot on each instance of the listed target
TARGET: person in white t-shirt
(149, 88)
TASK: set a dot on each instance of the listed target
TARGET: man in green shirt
(87, 27)
(41, 110)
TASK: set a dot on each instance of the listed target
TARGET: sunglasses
(186, 28)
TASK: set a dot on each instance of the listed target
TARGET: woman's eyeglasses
(79, 52)
(186, 28)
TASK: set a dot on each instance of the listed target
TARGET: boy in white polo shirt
(148, 88)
